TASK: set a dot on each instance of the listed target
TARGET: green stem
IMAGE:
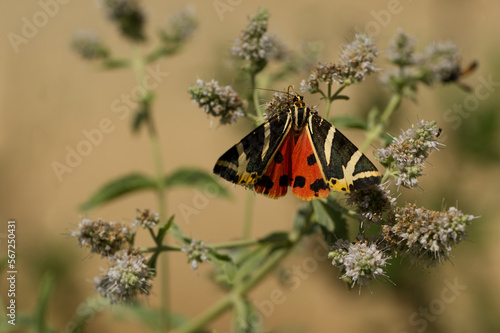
(233, 244)
(239, 291)
(139, 66)
(160, 248)
(377, 131)
(247, 218)
(255, 99)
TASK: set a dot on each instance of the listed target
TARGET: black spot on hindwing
(311, 159)
(299, 182)
(283, 181)
(318, 185)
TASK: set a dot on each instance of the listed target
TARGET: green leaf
(302, 217)
(177, 232)
(119, 187)
(350, 122)
(43, 301)
(322, 216)
(196, 178)
(334, 212)
(252, 262)
(275, 237)
(244, 316)
(226, 269)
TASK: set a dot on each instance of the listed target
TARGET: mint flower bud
(129, 17)
(441, 62)
(406, 155)
(220, 102)
(360, 262)
(88, 45)
(324, 73)
(146, 219)
(196, 252)
(180, 26)
(401, 51)
(428, 236)
(127, 277)
(105, 238)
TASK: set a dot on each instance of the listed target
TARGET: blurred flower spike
(129, 17)
(89, 45)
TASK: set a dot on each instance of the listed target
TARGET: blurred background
(49, 96)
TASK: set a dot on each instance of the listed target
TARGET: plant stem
(240, 291)
(247, 218)
(230, 245)
(139, 66)
(380, 127)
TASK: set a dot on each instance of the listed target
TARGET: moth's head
(298, 100)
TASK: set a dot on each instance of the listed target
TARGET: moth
(298, 149)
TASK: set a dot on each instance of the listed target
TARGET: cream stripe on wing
(349, 168)
(328, 144)
(242, 158)
(267, 139)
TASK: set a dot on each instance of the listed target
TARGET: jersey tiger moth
(300, 149)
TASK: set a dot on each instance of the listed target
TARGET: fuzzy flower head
(406, 155)
(373, 203)
(256, 45)
(360, 262)
(356, 63)
(357, 58)
(105, 238)
(441, 62)
(89, 45)
(401, 51)
(180, 26)
(220, 102)
(128, 15)
(196, 252)
(147, 219)
(426, 235)
(322, 73)
(127, 277)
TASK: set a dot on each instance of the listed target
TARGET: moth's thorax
(300, 115)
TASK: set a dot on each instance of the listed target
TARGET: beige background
(49, 96)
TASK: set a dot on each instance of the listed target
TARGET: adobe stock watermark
(381, 18)
(30, 26)
(200, 201)
(121, 107)
(224, 6)
(295, 275)
(449, 294)
(460, 111)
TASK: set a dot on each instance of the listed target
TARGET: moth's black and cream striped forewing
(343, 166)
(249, 159)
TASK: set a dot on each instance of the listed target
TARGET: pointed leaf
(350, 122)
(196, 178)
(119, 187)
(225, 267)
